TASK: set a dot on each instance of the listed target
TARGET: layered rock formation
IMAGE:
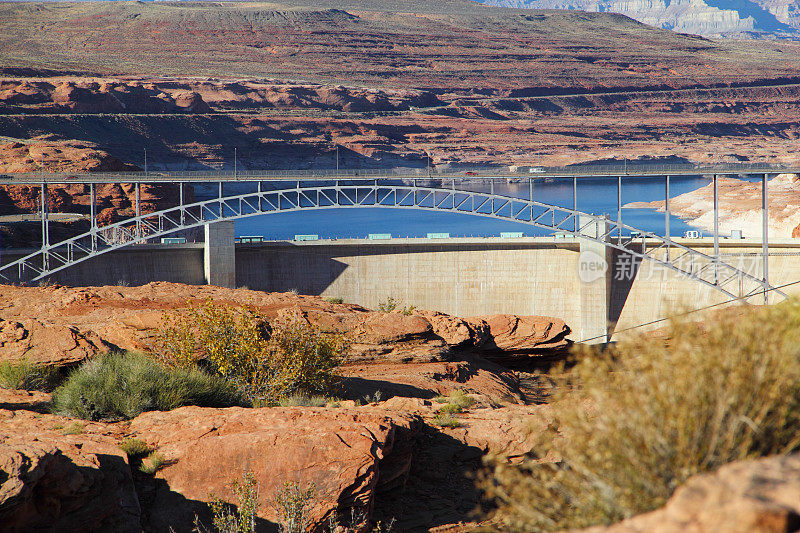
(153, 96)
(62, 482)
(73, 323)
(740, 207)
(748, 18)
(453, 81)
(55, 155)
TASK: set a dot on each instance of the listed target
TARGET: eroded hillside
(368, 84)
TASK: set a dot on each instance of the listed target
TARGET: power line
(693, 311)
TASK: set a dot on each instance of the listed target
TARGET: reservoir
(595, 195)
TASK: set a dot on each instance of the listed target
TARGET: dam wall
(459, 276)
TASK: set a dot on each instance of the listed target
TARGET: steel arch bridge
(704, 268)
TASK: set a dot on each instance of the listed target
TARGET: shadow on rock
(164, 509)
(440, 489)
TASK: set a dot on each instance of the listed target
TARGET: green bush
(461, 399)
(266, 362)
(334, 300)
(119, 386)
(388, 305)
(152, 463)
(292, 504)
(135, 448)
(642, 418)
(456, 402)
(446, 421)
(451, 408)
(240, 518)
(303, 400)
(23, 374)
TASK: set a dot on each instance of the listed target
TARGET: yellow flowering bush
(266, 362)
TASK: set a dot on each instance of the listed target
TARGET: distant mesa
(710, 18)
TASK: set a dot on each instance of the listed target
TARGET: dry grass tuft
(646, 416)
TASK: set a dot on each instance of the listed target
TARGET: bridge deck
(467, 174)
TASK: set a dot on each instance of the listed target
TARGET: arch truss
(640, 245)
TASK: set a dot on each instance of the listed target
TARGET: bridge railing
(442, 172)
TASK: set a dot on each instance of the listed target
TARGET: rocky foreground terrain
(377, 450)
(357, 456)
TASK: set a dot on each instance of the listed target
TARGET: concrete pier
(219, 254)
(594, 273)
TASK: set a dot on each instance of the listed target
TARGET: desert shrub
(152, 463)
(388, 305)
(240, 518)
(446, 420)
(227, 337)
(123, 385)
(142, 455)
(642, 418)
(76, 428)
(303, 400)
(461, 399)
(23, 374)
(292, 503)
(374, 398)
(456, 402)
(135, 448)
(302, 359)
(266, 363)
(451, 408)
(334, 300)
(357, 522)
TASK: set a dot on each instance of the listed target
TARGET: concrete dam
(460, 276)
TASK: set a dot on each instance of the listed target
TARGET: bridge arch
(670, 254)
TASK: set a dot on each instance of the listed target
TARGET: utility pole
(625, 155)
(428, 166)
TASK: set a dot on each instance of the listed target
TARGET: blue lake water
(597, 196)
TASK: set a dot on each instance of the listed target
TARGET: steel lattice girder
(552, 217)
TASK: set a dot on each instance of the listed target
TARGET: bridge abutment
(594, 273)
(219, 254)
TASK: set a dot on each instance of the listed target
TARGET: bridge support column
(594, 274)
(219, 257)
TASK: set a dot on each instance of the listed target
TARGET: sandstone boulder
(456, 331)
(427, 380)
(72, 324)
(514, 333)
(51, 481)
(348, 454)
(761, 496)
(11, 400)
(191, 102)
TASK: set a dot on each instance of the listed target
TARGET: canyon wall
(747, 18)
